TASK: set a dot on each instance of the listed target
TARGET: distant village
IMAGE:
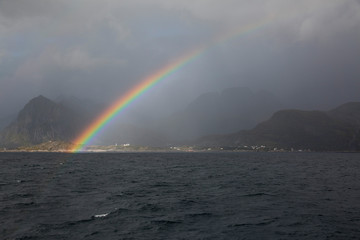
(54, 146)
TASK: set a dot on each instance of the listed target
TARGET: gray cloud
(307, 54)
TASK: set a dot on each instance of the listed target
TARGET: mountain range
(334, 130)
(43, 120)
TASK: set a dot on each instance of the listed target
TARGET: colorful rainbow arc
(93, 129)
(120, 104)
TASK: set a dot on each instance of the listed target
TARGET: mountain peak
(37, 106)
(39, 100)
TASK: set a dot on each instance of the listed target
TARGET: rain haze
(305, 54)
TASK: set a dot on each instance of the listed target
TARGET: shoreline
(166, 151)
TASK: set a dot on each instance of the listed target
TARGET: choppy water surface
(180, 196)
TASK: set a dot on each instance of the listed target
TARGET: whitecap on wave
(101, 215)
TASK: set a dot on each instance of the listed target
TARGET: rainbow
(121, 103)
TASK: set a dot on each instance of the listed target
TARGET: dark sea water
(180, 196)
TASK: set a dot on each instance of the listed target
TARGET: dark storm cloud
(307, 54)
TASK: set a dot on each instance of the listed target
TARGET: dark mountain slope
(39, 121)
(348, 113)
(335, 130)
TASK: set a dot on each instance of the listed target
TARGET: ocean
(224, 195)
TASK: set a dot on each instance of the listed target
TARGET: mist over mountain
(338, 129)
(5, 121)
(85, 107)
(231, 110)
(227, 111)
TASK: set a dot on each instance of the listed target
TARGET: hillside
(41, 120)
(335, 130)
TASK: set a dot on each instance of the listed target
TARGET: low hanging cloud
(70, 60)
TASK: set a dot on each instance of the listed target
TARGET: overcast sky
(307, 52)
